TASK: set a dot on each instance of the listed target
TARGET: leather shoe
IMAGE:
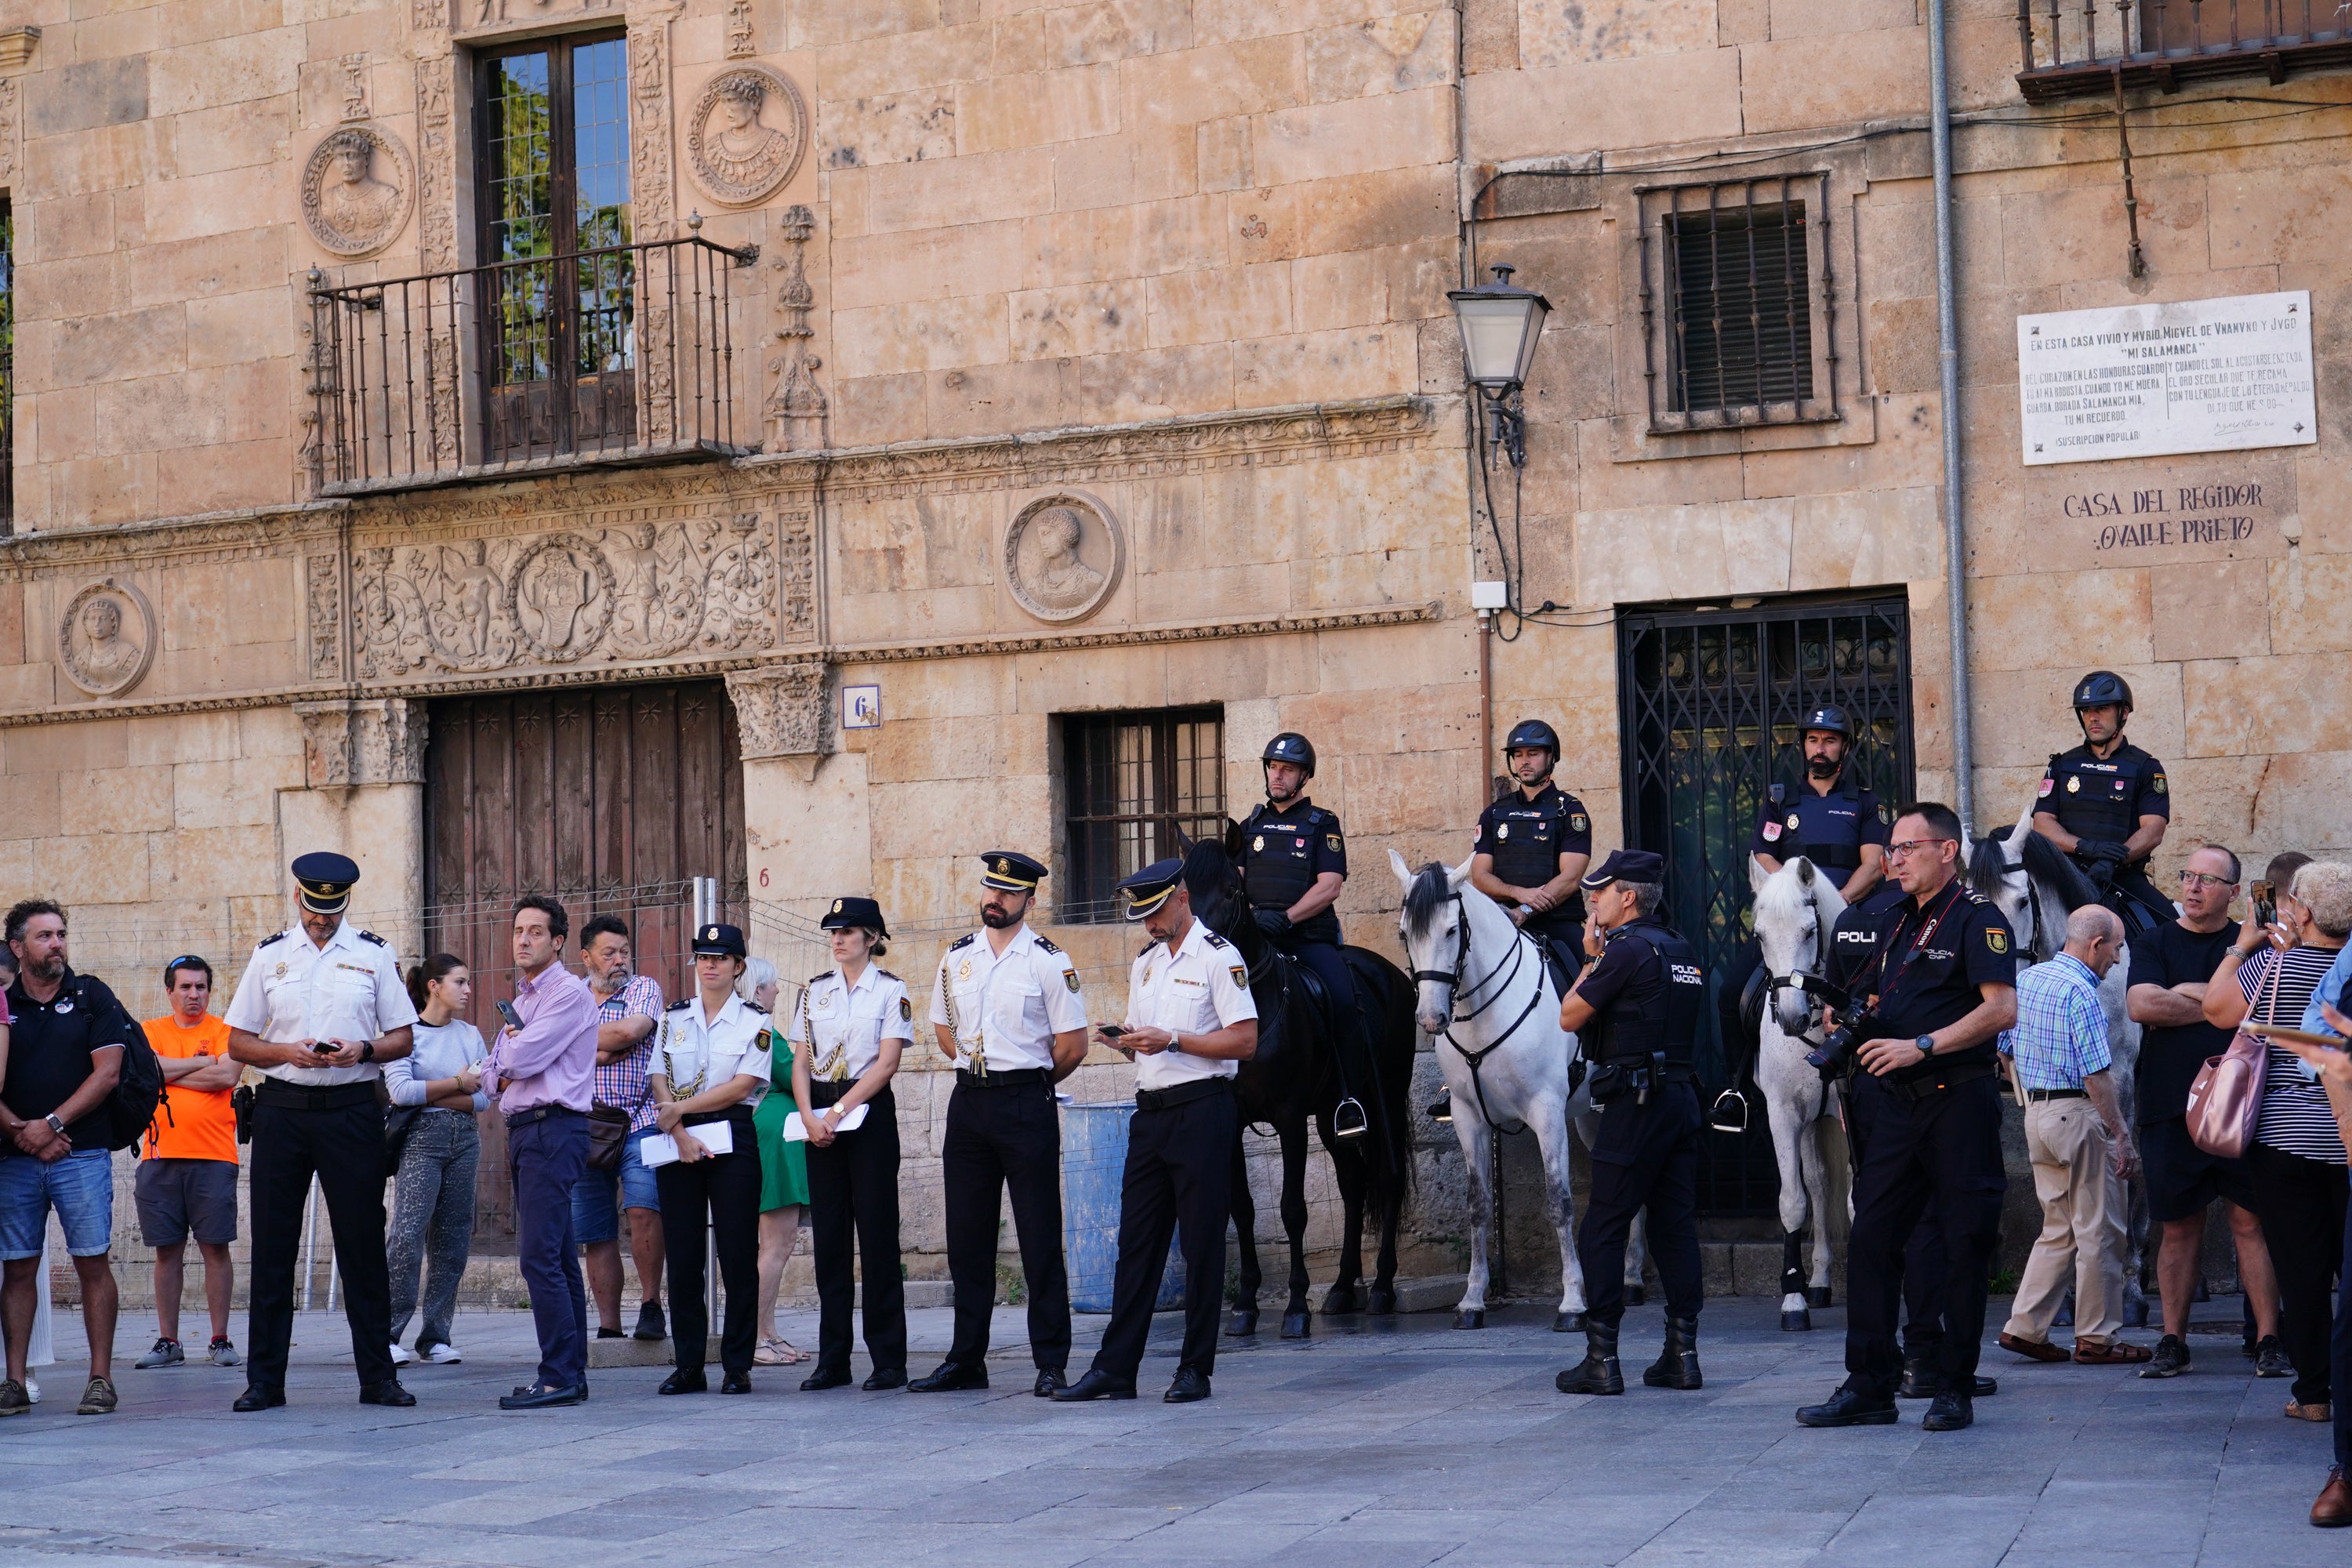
(1096, 1385)
(1049, 1379)
(388, 1391)
(1950, 1413)
(541, 1398)
(1920, 1378)
(824, 1377)
(893, 1378)
(1849, 1408)
(952, 1377)
(685, 1380)
(1192, 1385)
(2334, 1509)
(735, 1383)
(258, 1398)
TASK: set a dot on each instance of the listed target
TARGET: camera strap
(1919, 943)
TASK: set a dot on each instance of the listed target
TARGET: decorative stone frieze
(782, 710)
(349, 743)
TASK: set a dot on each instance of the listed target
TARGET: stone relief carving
(638, 591)
(799, 577)
(323, 580)
(106, 639)
(652, 212)
(8, 121)
(371, 741)
(745, 135)
(355, 190)
(502, 13)
(780, 711)
(739, 30)
(355, 86)
(436, 222)
(1063, 556)
(796, 405)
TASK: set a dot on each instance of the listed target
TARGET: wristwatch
(1927, 1044)
(367, 1050)
(56, 1126)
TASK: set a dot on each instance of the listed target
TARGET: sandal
(2114, 1352)
(775, 1351)
(2032, 1350)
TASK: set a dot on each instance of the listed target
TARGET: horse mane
(2048, 865)
(1988, 865)
(1780, 892)
(1430, 888)
(1209, 878)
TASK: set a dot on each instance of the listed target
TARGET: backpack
(138, 1095)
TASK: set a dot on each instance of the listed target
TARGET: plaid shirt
(623, 1082)
(2060, 1037)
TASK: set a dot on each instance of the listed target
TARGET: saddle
(1565, 965)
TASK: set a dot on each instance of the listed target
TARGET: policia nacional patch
(1997, 940)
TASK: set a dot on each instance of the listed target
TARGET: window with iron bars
(1739, 303)
(1132, 783)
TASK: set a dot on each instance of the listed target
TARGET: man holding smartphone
(320, 1009)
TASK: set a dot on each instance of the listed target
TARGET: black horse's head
(1216, 886)
(2048, 865)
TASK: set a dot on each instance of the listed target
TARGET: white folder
(796, 1131)
(661, 1148)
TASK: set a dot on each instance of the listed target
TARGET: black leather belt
(301, 1097)
(2036, 1094)
(539, 1113)
(1019, 1078)
(1920, 1088)
(1182, 1094)
(740, 1115)
(824, 1092)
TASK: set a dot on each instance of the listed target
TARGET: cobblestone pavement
(1396, 1443)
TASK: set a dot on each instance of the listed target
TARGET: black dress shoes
(685, 1380)
(388, 1391)
(542, 1398)
(1192, 1385)
(1049, 1380)
(896, 1377)
(257, 1398)
(1950, 1412)
(952, 1377)
(824, 1377)
(1849, 1408)
(736, 1382)
(1096, 1385)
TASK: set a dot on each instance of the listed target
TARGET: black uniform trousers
(999, 1140)
(342, 1145)
(720, 1193)
(1942, 1148)
(1923, 1272)
(1179, 1180)
(853, 1183)
(1738, 1039)
(1645, 1156)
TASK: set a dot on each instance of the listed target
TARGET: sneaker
(399, 1357)
(2270, 1359)
(32, 1390)
(13, 1401)
(97, 1398)
(167, 1353)
(651, 1325)
(222, 1353)
(2172, 1358)
(443, 1355)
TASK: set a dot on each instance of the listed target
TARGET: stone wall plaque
(355, 191)
(745, 135)
(2154, 514)
(2150, 381)
(106, 639)
(1063, 556)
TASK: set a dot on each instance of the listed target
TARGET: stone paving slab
(1399, 1442)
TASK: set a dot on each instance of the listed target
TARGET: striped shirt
(2295, 1116)
(623, 1083)
(2061, 1036)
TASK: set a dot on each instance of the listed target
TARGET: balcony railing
(2069, 49)
(615, 356)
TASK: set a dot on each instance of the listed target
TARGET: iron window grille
(1738, 296)
(1133, 782)
(2069, 51)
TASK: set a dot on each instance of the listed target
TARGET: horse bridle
(1453, 980)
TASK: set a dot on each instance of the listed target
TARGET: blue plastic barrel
(1094, 1163)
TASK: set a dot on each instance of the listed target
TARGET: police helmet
(1291, 747)
(1830, 717)
(1532, 734)
(2102, 688)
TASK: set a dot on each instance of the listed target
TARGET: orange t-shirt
(201, 1124)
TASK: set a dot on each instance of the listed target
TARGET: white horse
(2035, 888)
(1488, 996)
(1796, 911)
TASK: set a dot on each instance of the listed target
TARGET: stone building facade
(1028, 378)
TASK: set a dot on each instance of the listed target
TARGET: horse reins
(1453, 982)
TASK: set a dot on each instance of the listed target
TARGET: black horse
(1291, 1079)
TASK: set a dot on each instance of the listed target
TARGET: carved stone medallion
(1063, 556)
(355, 191)
(745, 135)
(106, 639)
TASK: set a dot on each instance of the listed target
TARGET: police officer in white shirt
(320, 1009)
(1191, 1023)
(1007, 1010)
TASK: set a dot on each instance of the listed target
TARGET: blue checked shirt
(621, 1083)
(2060, 1037)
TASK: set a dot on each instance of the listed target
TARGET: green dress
(784, 1167)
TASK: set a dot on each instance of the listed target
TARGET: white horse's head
(1434, 939)
(1796, 909)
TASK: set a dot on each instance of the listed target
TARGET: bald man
(2081, 1149)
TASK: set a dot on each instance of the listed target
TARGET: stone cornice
(218, 536)
(1134, 636)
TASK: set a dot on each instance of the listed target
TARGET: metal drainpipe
(1947, 345)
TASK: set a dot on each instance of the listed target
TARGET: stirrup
(1440, 1109)
(1731, 1117)
(1344, 1125)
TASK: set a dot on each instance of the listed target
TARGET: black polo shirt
(1932, 960)
(2167, 956)
(49, 1046)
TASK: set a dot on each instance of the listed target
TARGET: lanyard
(1926, 932)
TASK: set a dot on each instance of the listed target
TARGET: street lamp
(1501, 325)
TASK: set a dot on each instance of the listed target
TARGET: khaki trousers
(2082, 1239)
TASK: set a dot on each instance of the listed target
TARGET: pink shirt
(552, 1059)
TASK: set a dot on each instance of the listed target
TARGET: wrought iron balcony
(2069, 51)
(617, 356)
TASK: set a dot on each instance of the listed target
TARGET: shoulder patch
(963, 940)
(680, 1005)
(371, 936)
(1240, 975)
(1043, 942)
(906, 1011)
(1996, 939)
(1214, 940)
(266, 940)
(1070, 979)
(2157, 784)
(1886, 815)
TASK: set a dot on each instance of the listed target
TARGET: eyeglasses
(1911, 846)
(2200, 880)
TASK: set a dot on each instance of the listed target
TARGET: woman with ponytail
(433, 1206)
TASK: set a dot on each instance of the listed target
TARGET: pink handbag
(2226, 1100)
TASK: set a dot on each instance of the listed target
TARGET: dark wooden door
(611, 798)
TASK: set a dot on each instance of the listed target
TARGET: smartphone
(323, 1047)
(1111, 1031)
(2265, 906)
(513, 1019)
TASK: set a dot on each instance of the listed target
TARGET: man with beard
(1008, 1011)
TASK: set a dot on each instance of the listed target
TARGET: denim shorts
(598, 1196)
(80, 1188)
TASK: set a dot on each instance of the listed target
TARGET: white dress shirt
(1201, 987)
(1010, 1005)
(696, 1056)
(295, 990)
(842, 1026)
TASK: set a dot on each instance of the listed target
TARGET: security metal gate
(1711, 702)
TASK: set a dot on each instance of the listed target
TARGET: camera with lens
(1840, 1043)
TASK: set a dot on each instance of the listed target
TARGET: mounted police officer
(1533, 845)
(1832, 820)
(2106, 805)
(1294, 861)
(1636, 1011)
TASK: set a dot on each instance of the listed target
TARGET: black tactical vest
(1278, 855)
(1526, 848)
(1660, 1011)
(2095, 799)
